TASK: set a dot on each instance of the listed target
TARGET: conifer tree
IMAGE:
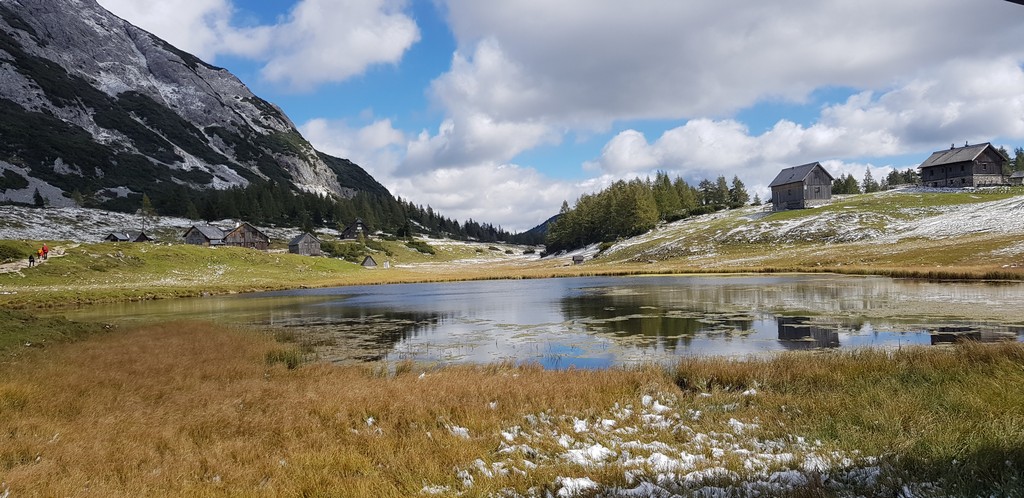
(738, 196)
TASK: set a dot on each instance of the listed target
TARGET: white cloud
(327, 41)
(583, 61)
(198, 26)
(319, 41)
(469, 139)
(378, 147)
(961, 101)
(514, 197)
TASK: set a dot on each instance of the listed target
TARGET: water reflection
(798, 332)
(600, 322)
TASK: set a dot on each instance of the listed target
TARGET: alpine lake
(602, 322)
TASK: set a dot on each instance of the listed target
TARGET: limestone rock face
(91, 103)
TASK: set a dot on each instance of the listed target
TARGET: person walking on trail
(39, 254)
(31, 260)
(46, 251)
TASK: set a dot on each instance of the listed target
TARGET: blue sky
(498, 111)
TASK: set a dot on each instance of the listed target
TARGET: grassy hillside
(104, 272)
(904, 234)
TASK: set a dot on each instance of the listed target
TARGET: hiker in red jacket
(46, 251)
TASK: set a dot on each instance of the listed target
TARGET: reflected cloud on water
(598, 322)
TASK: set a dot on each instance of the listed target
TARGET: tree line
(847, 184)
(627, 209)
(274, 203)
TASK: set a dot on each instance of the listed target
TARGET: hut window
(817, 190)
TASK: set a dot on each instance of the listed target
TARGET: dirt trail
(22, 264)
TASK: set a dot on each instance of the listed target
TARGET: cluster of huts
(250, 237)
(978, 165)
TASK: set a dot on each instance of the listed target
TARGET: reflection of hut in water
(797, 332)
(960, 333)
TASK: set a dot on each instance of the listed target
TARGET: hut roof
(1017, 174)
(797, 174)
(298, 238)
(209, 231)
(955, 155)
(241, 226)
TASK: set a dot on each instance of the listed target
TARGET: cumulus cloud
(583, 61)
(962, 100)
(514, 197)
(319, 41)
(200, 27)
(327, 41)
(377, 147)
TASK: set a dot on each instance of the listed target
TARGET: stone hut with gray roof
(968, 166)
(801, 187)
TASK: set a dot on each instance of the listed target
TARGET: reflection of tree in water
(353, 334)
(647, 323)
(799, 332)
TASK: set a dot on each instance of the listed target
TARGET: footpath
(22, 264)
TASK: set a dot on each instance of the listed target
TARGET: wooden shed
(801, 187)
(354, 231)
(1017, 178)
(967, 166)
(578, 259)
(248, 236)
(305, 244)
(369, 262)
(128, 237)
(206, 235)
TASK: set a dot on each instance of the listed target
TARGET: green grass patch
(20, 330)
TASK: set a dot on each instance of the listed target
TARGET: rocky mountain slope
(93, 104)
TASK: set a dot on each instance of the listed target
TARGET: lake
(600, 322)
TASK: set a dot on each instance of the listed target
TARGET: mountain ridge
(90, 103)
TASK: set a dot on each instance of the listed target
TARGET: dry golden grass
(187, 408)
(195, 409)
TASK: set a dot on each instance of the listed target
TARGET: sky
(498, 111)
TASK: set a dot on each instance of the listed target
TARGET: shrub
(421, 246)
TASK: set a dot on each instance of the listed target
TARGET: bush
(421, 246)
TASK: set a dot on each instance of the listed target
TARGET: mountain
(90, 104)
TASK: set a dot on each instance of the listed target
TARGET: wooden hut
(206, 235)
(248, 236)
(578, 259)
(801, 187)
(305, 244)
(967, 166)
(354, 231)
(369, 262)
(128, 237)
(1017, 178)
